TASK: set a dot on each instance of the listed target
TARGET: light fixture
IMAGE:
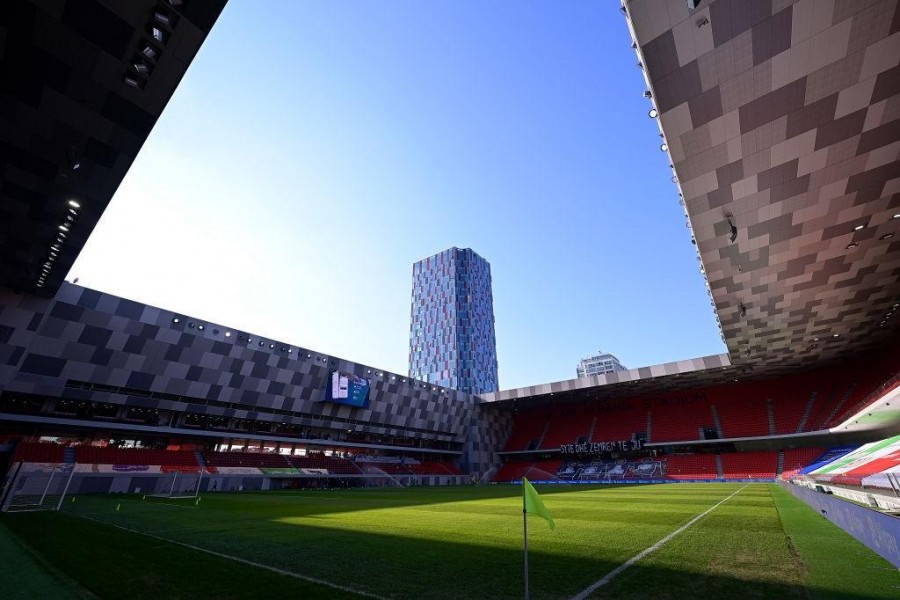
(887, 236)
(74, 204)
(227, 334)
(132, 81)
(271, 346)
(63, 228)
(896, 216)
(648, 94)
(859, 228)
(664, 147)
(149, 51)
(653, 113)
(176, 320)
(162, 17)
(852, 245)
(836, 335)
(200, 327)
(158, 34)
(141, 67)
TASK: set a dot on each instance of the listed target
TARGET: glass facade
(451, 334)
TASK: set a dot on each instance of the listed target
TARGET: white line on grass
(609, 576)
(241, 560)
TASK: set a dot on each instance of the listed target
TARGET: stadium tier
(37, 453)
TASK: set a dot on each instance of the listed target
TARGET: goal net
(179, 485)
(36, 486)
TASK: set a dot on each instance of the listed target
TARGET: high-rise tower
(451, 333)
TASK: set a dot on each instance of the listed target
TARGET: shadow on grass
(113, 563)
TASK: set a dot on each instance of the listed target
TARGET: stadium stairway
(201, 460)
(69, 455)
(807, 411)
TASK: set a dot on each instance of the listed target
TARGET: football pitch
(752, 541)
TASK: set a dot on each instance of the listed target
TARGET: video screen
(346, 388)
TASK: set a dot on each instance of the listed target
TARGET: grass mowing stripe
(241, 560)
(859, 572)
(609, 576)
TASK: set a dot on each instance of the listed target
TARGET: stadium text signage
(600, 447)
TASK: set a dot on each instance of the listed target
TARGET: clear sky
(315, 150)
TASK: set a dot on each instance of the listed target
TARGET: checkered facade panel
(452, 341)
(86, 336)
(682, 372)
(782, 121)
(71, 124)
(486, 434)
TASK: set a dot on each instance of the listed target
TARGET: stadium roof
(82, 83)
(782, 123)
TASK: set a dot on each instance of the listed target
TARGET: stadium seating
(680, 422)
(796, 459)
(750, 464)
(620, 425)
(743, 416)
(566, 430)
(39, 452)
(691, 466)
(514, 471)
(172, 460)
(245, 459)
(527, 428)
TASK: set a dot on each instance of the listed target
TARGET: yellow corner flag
(534, 504)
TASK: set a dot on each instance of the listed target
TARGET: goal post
(182, 485)
(37, 486)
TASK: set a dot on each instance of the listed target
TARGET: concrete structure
(451, 333)
(780, 119)
(599, 364)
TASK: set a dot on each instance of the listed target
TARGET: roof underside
(782, 121)
(79, 93)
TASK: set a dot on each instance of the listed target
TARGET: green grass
(459, 542)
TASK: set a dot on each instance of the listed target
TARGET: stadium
(146, 452)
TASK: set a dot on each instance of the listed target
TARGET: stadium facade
(451, 334)
(780, 121)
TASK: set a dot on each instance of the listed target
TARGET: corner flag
(531, 503)
(534, 504)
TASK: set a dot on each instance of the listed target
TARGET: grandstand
(786, 170)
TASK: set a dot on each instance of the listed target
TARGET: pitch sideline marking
(649, 550)
(240, 560)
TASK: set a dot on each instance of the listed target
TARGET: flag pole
(525, 532)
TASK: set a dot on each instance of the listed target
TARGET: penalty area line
(649, 550)
(315, 580)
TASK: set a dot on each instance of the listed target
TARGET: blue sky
(314, 151)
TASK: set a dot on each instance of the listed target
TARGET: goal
(36, 486)
(184, 484)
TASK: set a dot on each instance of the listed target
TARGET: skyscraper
(451, 333)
